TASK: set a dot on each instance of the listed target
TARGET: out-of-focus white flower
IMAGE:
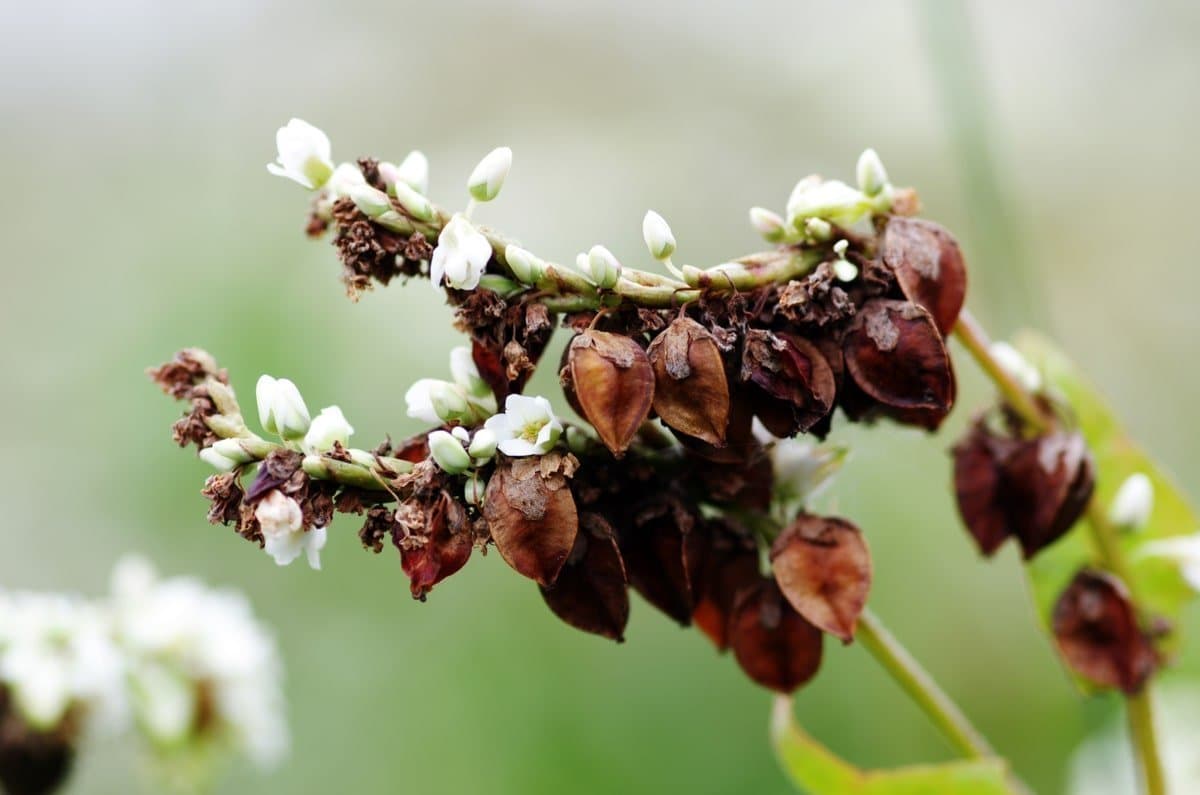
(448, 453)
(802, 469)
(769, 224)
(1184, 550)
(527, 426)
(1133, 503)
(345, 177)
(264, 395)
(190, 645)
(603, 267)
(305, 154)
(658, 236)
(1016, 365)
(419, 398)
(327, 427)
(832, 200)
(465, 373)
(488, 177)
(461, 255)
(413, 171)
(872, 177)
(284, 536)
(1104, 763)
(57, 653)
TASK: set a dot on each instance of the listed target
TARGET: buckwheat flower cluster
(185, 666)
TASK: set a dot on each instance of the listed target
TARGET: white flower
(802, 469)
(448, 453)
(1184, 550)
(603, 266)
(1133, 503)
(186, 642)
(281, 408)
(328, 427)
(465, 373)
(488, 177)
(419, 398)
(1016, 365)
(829, 199)
(412, 171)
(658, 236)
(527, 426)
(872, 177)
(285, 539)
(461, 255)
(345, 177)
(305, 154)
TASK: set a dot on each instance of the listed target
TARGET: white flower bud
(524, 265)
(372, 201)
(466, 374)
(474, 490)
(657, 235)
(448, 453)
(872, 178)
(460, 433)
(233, 450)
(818, 228)
(289, 410)
(488, 177)
(345, 177)
(419, 398)
(413, 202)
(413, 171)
(769, 224)
(845, 271)
(217, 461)
(264, 395)
(327, 427)
(304, 156)
(483, 445)
(1133, 503)
(449, 401)
(603, 267)
(1016, 365)
(832, 200)
(461, 256)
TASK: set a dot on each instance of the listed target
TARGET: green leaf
(816, 770)
(1158, 585)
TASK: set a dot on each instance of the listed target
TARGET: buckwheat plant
(684, 480)
(182, 669)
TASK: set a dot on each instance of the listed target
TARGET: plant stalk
(1104, 537)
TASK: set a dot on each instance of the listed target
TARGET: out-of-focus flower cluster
(185, 667)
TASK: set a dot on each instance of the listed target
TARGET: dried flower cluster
(187, 665)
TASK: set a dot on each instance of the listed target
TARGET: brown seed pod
(444, 548)
(895, 355)
(730, 567)
(691, 393)
(662, 556)
(978, 479)
(773, 644)
(1097, 632)
(531, 515)
(1047, 484)
(823, 568)
(796, 385)
(928, 265)
(591, 592)
(740, 444)
(613, 384)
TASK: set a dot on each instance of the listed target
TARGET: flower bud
(303, 154)
(449, 401)
(217, 461)
(1016, 365)
(474, 489)
(818, 228)
(769, 224)
(483, 444)
(488, 177)
(288, 408)
(657, 235)
(872, 178)
(345, 176)
(372, 201)
(499, 285)
(416, 205)
(328, 427)
(524, 265)
(1133, 503)
(466, 374)
(603, 267)
(414, 172)
(845, 271)
(448, 453)
(264, 395)
(233, 450)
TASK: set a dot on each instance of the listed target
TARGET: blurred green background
(1058, 141)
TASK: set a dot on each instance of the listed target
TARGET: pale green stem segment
(1104, 536)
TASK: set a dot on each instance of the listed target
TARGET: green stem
(919, 685)
(1104, 537)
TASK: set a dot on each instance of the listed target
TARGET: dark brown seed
(445, 549)
(730, 568)
(532, 517)
(791, 371)
(928, 265)
(33, 762)
(691, 393)
(978, 478)
(613, 383)
(896, 355)
(823, 567)
(1098, 635)
(740, 444)
(591, 592)
(1047, 484)
(773, 644)
(662, 555)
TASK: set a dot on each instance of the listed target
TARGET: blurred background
(1059, 145)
